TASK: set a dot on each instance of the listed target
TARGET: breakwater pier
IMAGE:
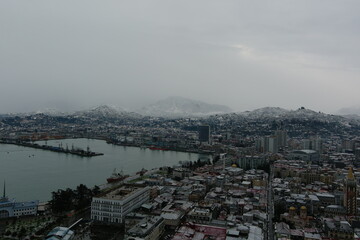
(74, 151)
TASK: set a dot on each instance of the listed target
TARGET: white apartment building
(114, 206)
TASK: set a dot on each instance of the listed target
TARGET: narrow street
(270, 210)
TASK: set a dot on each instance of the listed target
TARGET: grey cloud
(72, 54)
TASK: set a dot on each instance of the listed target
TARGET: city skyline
(177, 120)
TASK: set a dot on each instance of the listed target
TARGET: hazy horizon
(73, 55)
(343, 111)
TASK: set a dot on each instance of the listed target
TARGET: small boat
(116, 176)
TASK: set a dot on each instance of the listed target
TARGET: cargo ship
(158, 148)
(116, 177)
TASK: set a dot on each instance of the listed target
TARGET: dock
(77, 151)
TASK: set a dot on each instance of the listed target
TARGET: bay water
(32, 174)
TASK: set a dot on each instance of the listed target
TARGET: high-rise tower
(281, 137)
(204, 134)
(351, 193)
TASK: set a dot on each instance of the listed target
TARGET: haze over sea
(32, 174)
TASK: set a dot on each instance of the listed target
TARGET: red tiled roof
(199, 232)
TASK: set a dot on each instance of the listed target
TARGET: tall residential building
(271, 144)
(314, 143)
(267, 144)
(357, 155)
(281, 136)
(114, 206)
(251, 162)
(259, 144)
(204, 133)
(351, 194)
(350, 145)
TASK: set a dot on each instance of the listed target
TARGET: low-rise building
(150, 228)
(112, 207)
(200, 215)
(182, 173)
(60, 233)
(335, 210)
(11, 208)
(305, 155)
(339, 230)
(199, 232)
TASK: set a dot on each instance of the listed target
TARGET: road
(270, 209)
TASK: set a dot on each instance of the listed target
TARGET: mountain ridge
(182, 107)
(178, 107)
(303, 114)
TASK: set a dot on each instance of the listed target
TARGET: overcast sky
(71, 54)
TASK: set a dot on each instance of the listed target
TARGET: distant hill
(353, 113)
(260, 122)
(105, 111)
(178, 107)
(175, 107)
(50, 112)
(299, 123)
(266, 112)
(272, 113)
(279, 114)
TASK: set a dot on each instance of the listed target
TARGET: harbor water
(32, 174)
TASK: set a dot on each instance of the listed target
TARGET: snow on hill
(276, 113)
(266, 112)
(105, 111)
(50, 112)
(182, 107)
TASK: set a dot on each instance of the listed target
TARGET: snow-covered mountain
(354, 117)
(105, 111)
(50, 112)
(266, 112)
(102, 111)
(276, 113)
(174, 107)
